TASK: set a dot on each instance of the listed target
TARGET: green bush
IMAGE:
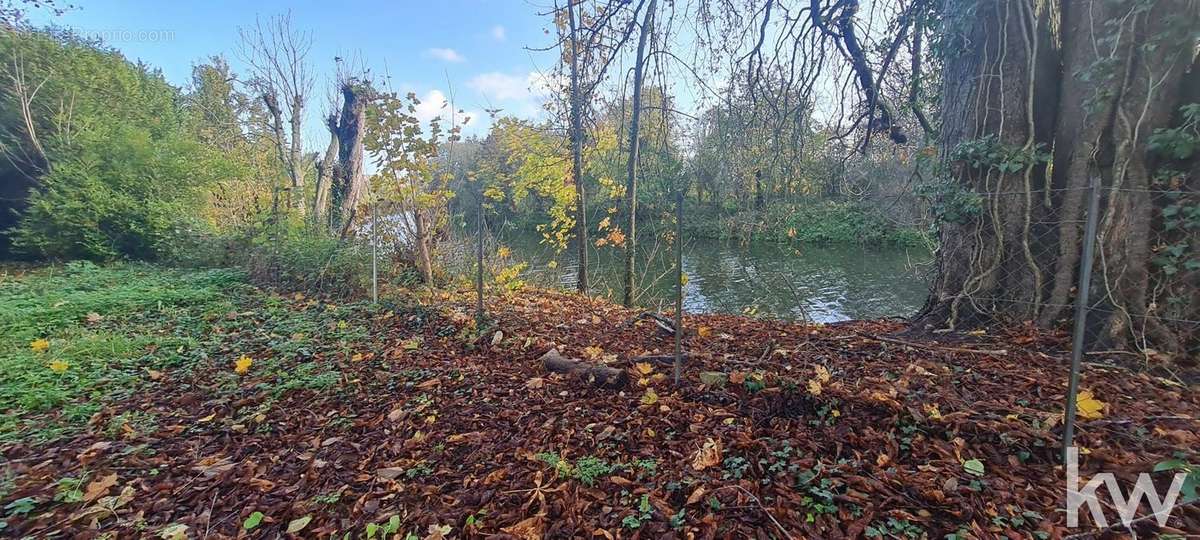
(122, 195)
(123, 173)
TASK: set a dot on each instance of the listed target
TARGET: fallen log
(593, 374)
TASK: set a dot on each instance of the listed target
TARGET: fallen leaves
(650, 397)
(1088, 407)
(531, 528)
(98, 487)
(708, 455)
(242, 365)
(296, 525)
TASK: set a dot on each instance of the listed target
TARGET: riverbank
(140, 400)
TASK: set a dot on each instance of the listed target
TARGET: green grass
(109, 327)
(149, 318)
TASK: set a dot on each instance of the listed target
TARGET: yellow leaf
(704, 331)
(604, 223)
(822, 374)
(552, 265)
(593, 352)
(932, 411)
(814, 387)
(683, 279)
(341, 325)
(1088, 407)
(39, 345)
(242, 366)
(58, 366)
(644, 368)
(503, 252)
(650, 397)
(357, 357)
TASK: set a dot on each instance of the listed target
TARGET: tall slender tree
(631, 166)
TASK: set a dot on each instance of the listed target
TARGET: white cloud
(499, 33)
(517, 94)
(435, 104)
(445, 55)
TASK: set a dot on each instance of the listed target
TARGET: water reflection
(825, 283)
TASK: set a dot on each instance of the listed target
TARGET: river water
(824, 284)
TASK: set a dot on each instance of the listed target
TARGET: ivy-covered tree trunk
(326, 168)
(1040, 99)
(348, 179)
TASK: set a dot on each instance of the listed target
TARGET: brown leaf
(531, 528)
(99, 487)
(389, 473)
(696, 495)
(707, 456)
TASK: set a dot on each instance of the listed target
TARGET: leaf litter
(779, 429)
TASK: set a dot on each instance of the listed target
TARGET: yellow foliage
(616, 237)
(644, 368)
(242, 365)
(650, 397)
(704, 331)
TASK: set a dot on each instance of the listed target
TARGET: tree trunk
(272, 103)
(593, 374)
(422, 242)
(348, 180)
(295, 158)
(1081, 86)
(631, 165)
(581, 232)
(325, 171)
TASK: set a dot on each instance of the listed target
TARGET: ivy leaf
(253, 521)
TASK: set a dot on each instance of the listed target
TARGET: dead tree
(277, 56)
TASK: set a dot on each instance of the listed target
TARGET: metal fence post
(374, 252)
(479, 314)
(678, 285)
(1081, 312)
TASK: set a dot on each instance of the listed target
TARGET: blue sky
(477, 48)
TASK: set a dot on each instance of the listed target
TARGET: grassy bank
(171, 403)
(79, 337)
